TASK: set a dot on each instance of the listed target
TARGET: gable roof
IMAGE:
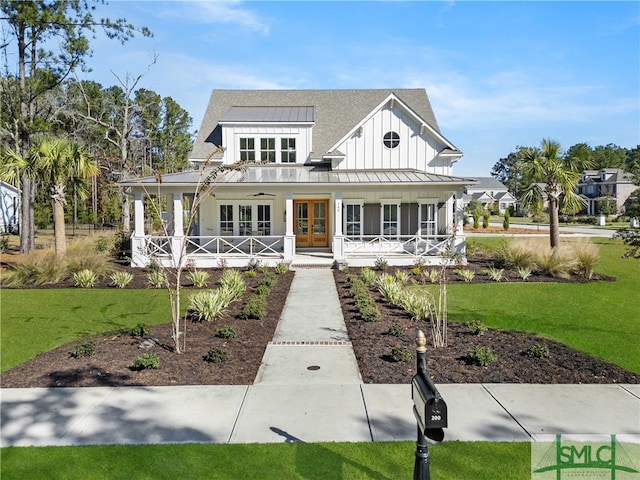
(487, 184)
(336, 112)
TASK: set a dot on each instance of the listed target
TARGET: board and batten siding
(365, 149)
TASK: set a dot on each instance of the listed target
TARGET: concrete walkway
(309, 389)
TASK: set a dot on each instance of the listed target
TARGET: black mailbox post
(429, 409)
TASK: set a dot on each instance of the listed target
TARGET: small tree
(507, 218)
(172, 274)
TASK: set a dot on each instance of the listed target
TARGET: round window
(391, 139)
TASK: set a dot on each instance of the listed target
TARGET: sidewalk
(308, 389)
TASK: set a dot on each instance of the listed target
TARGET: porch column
(177, 236)
(178, 228)
(459, 224)
(139, 257)
(289, 236)
(338, 236)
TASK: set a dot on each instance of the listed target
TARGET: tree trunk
(27, 225)
(58, 221)
(554, 226)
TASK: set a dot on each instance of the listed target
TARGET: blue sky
(498, 74)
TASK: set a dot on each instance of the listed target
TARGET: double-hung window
(247, 149)
(288, 150)
(268, 150)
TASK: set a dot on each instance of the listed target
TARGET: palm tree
(55, 164)
(553, 178)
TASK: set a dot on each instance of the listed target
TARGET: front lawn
(600, 318)
(321, 461)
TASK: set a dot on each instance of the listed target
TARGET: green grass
(600, 318)
(38, 320)
(322, 461)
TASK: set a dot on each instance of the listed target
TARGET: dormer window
(268, 150)
(391, 139)
(288, 150)
(247, 149)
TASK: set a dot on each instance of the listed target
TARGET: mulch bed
(111, 364)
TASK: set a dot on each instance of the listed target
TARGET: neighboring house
(362, 174)
(9, 202)
(489, 191)
(605, 184)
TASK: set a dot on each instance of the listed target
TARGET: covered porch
(405, 222)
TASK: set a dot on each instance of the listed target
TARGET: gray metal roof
(278, 175)
(336, 112)
(269, 114)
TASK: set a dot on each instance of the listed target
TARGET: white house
(488, 191)
(359, 174)
(9, 202)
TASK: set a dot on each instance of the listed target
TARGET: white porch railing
(244, 246)
(414, 246)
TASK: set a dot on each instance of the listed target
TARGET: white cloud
(223, 12)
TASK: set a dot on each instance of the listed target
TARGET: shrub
(233, 284)
(85, 279)
(476, 327)
(402, 276)
(282, 267)
(82, 255)
(140, 330)
(520, 253)
(433, 275)
(380, 264)
(400, 354)
(84, 349)
(466, 274)
(145, 361)
(254, 264)
(481, 356)
(269, 279)
(209, 305)
(418, 306)
(506, 221)
(586, 256)
(255, 308)
(556, 262)
(121, 279)
(216, 355)
(537, 351)
(476, 219)
(102, 244)
(396, 330)
(524, 272)
(367, 275)
(262, 290)
(199, 278)
(226, 332)
(486, 215)
(370, 313)
(222, 263)
(494, 274)
(389, 288)
(4, 243)
(40, 267)
(250, 273)
(156, 278)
